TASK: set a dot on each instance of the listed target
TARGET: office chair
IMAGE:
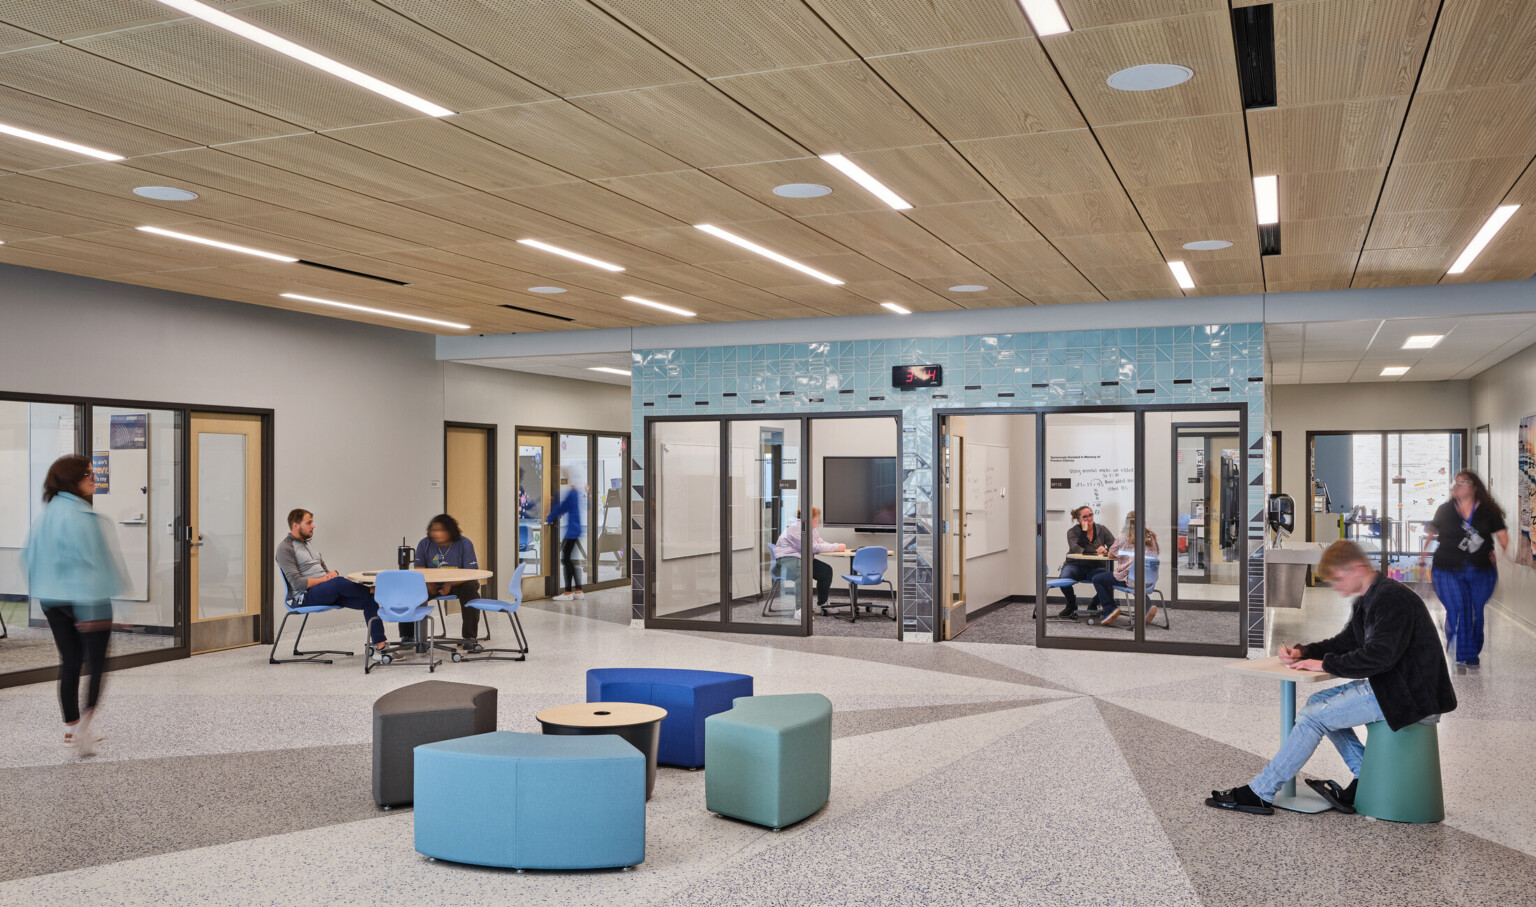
(402, 599)
(869, 566)
(515, 589)
(774, 590)
(1129, 589)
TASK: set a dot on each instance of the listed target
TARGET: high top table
(1305, 801)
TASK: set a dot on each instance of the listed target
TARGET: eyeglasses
(1462, 482)
(1085, 516)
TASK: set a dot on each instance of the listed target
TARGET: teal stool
(768, 760)
(1400, 774)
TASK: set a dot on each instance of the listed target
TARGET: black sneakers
(1240, 799)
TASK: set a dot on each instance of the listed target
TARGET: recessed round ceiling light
(165, 193)
(1150, 77)
(802, 190)
(546, 289)
(967, 288)
(1207, 245)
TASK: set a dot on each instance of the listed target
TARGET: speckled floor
(963, 773)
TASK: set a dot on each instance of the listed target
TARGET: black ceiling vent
(1269, 239)
(518, 308)
(316, 264)
(1253, 31)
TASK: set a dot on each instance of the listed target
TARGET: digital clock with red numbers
(907, 377)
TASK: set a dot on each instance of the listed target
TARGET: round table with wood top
(434, 576)
(636, 723)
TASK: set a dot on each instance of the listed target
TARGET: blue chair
(774, 590)
(293, 603)
(508, 608)
(869, 565)
(402, 598)
(1129, 588)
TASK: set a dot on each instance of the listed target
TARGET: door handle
(198, 543)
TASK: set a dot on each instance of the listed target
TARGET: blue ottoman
(688, 696)
(530, 801)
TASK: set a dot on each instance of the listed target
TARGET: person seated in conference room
(787, 550)
(305, 569)
(1124, 550)
(1084, 536)
(445, 545)
(1390, 652)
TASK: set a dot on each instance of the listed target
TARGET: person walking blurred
(1463, 570)
(73, 570)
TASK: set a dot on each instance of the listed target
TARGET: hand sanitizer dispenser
(1282, 516)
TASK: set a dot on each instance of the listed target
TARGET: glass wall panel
(533, 462)
(612, 509)
(221, 524)
(765, 463)
(137, 452)
(575, 472)
(1090, 485)
(32, 436)
(684, 485)
(1196, 499)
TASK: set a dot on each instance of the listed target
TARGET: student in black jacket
(1085, 537)
(1390, 650)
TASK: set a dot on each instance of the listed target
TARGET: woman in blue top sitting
(570, 508)
(73, 571)
(446, 546)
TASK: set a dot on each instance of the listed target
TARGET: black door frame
(1139, 642)
(552, 577)
(181, 584)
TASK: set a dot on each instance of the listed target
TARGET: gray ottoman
(425, 712)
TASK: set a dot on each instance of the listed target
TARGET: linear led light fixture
(861, 176)
(900, 310)
(1422, 341)
(218, 245)
(305, 55)
(1491, 228)
(41, 139)
(1181, 274)
(577, 256)
(751, 246)
(611, 371)
(1045, 17)
(1266, 198)
(1392, 371)
(656, 305)
(372, 311)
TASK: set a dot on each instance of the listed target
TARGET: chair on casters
(402, 599)
(515, 587)
(777, 587)
(293, 603)
(869, 565)
(1129, 589)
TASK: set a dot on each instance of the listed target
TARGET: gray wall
(1501, 397)
(358, 408)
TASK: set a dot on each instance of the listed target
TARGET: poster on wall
(130, 432)
(1527, 480)
(101, 468)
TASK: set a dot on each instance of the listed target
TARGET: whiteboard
(1096, 458)
(690, 500)
(986, 500)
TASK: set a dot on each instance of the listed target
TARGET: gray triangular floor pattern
(872, 721)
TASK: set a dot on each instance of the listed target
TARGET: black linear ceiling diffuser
(518, 308)
(1253, 31)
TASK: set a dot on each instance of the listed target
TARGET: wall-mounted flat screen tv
(859, 492)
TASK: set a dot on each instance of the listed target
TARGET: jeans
(77, 647)
(341, 591)
(1464, 591)
(465, 592)
(789, 567)
(1104, 588)
(1083, 572)
(1334, 712)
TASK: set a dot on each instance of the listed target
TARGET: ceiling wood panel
(1006, 258)
(335, 162)
(1202, 43)
(442, 148)
(590, 206)
(1496, 121)
(19, 221)
(120, 181)
(12, 38)
(564, 136)
(493, 215)
(976, 222)
(42, 115)
(62, 20)
(1482, 42)
(837, 107)
(1347, 135)
(242, 176)
(981, 91)
(1094, 13)
(725, 37)
(1171, 152)
(1082, 214)
(1332, 51)
(693, 122)
(691, 196)
(1025, 165)
(893, 28)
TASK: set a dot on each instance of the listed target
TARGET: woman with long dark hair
(1463, 570)
(73, 571)
(445, 545)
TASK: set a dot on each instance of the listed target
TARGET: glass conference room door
(535, 542)
(225, 519)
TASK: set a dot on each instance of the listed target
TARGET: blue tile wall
(1197, 364)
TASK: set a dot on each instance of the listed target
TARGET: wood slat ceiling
(611, 127)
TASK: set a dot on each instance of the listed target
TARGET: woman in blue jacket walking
(73, 571)
(570, 508)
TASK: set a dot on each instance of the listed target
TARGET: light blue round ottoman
(531, 801)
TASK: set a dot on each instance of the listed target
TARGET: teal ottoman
(1400, 774)
(768, 760)
(531, 801)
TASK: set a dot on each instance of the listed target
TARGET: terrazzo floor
(969, 773)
